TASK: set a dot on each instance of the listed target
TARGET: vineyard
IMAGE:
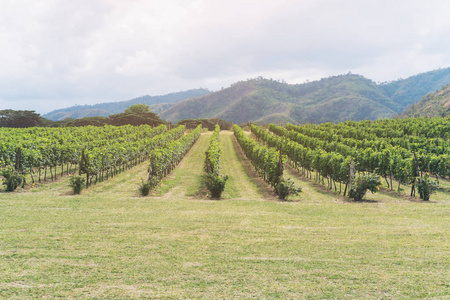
(97, 152)
(179, 242)
(411, 153)
(407, 151)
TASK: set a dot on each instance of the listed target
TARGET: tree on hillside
(137, 114)
(20, 118)
(93, 121)
(139, 108)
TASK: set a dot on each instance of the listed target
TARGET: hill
(261, 100)
(156, 103)
(332, 99)
(435, 104)
(408, 91)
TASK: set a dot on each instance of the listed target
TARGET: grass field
(109, 242)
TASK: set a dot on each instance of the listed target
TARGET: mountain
(435, 104)
(156, 103)
(332, 99)
(408, 91)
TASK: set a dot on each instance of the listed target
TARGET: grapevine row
(212, 159)
(333, 166)
(266, 160)
(111, 158)
(164, 159)
(380, 155)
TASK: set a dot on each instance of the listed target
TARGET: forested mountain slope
(331, 99)
(435, 104)
(410, 90)
(261, 100)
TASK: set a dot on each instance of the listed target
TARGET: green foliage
(266, 160)
(193, 123)
(163, 159)
(145, 187)
(384, 147)
(139, 108)
(215, 184)
(435, 104)
(87, 121)
(210, 124)
(136, 116)
(223, 124)
(410, 90)
(286, 187)
(426, 187)
(21, 118)
(108, 149)
(12, 179)
(363, 183)
(77, 183)
(214, 153)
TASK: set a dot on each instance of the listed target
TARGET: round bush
(215, 184)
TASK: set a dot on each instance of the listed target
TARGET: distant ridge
(332, 99)
(156, 103)
(408, 91)
(435, 104)
(262, 100)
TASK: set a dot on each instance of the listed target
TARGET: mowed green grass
(111, 243)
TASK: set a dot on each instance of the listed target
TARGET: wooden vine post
(280, 167)
(348, 185)
(151, 167)
(208, 163)
(18, 159)
(80, 169)
(416, 171)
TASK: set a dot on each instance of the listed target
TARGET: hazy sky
(58, 53)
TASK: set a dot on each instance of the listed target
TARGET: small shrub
(426, 187)
(77, 184)
(12, 179)
(215, 184)
(362, 184)
(145, 187)
(287, 187)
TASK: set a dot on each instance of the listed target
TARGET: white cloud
(57, 53)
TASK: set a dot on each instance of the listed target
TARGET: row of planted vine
(99, 161)
(330, 154)
(215, 182)
(212, 156)
(332, 166)
(432, 154)
(48, 151)
(96, 152)
(165, 158)
(268, 162)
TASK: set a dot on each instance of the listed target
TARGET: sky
(59, 53)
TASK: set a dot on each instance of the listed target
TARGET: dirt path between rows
(243, 182)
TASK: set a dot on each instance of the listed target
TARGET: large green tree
(20, 118)
(139, 108)
(137, 114)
